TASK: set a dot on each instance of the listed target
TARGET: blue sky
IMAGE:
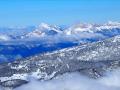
(60, 12)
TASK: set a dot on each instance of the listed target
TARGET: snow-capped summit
(44, 30)
(75, 29)
(113, 23)
(92, 28)
(44, 25)
(35, 33)
(110, 25)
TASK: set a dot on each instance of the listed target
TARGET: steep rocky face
(92, 60)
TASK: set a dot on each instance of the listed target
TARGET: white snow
(75, 81)
(4, 37)
(14, 76)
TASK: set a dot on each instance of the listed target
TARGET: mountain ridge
(49, 65)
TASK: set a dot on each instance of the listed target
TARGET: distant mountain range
(80, 30)
(47, 51)
(21, 42)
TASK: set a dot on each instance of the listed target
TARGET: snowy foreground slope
(91, 60)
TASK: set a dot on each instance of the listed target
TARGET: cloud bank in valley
(75, 81)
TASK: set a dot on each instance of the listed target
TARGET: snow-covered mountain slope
(91, 28)
(43, 30)
(108, 49)
(77, 28)
(93, 32)
(78, 32)
(29, 41)
(5, 38)
(110, 25)
(92, 60)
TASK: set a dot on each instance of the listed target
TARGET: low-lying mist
(75, 81)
